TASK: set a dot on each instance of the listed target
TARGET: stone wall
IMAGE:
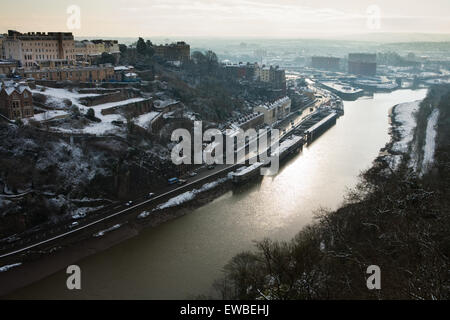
(134, 109)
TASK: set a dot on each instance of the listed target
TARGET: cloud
(274, 18)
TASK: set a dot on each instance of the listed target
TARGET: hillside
(397, 218)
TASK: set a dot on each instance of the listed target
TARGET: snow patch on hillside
(405, 115)
(430, 141)
(190, 195)
(10, 266)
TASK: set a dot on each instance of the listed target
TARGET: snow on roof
(10, 87)
(276, 104)
(121, 68)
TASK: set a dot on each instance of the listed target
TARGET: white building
(275, 111)
(32, 48)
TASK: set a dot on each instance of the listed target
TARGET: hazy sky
(228, 18)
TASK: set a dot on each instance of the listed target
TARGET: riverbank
(402, 125)
(181, 258)
(395, 219)
(19, 274)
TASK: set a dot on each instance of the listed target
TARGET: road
(203, 175)
(129, 209)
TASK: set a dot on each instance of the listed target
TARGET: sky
(225, 18)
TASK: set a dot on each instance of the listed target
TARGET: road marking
(113, 215)
(120, 212)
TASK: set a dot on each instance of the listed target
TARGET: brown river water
(181, 258)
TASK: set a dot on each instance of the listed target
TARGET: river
(181, 258)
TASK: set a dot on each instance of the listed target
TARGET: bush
(90, 114)
(75, 111)
(39, 98)
(399, 221)
(67, 102)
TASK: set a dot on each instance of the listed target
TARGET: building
(326, 63)
(121, 72)
(264, 74)
(274, 76)
(75, 74)
(180, 51)
(270, 77)
(278, 78)
(7, 67)
(342, 90)
(85, 49)
(16, 101)
(99, 46)
(32, 48)
(363, 64)
(88, 51)
(2, 51)
(275, 111)
(248, 121)
(241, 71)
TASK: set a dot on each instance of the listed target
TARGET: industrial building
(326, 63)
(363, 64)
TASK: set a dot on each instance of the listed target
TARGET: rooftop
(11, 86)
(275, 104)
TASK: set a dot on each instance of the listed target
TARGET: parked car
(211, 167)
(74, 224)
(129, 203)
(173, 181)
(143, 215)
(150, 195)
(79, 216)
(193, 174)
(181, 181)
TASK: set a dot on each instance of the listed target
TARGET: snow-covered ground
(48, 115)
(190, 195)
(405, 115)
(103, 232)
(10, 266)
(144, 215)
(165, 103)
(144, 120)
(430, 141)
(56, 97)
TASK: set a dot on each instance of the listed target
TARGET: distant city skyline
(228, 18)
